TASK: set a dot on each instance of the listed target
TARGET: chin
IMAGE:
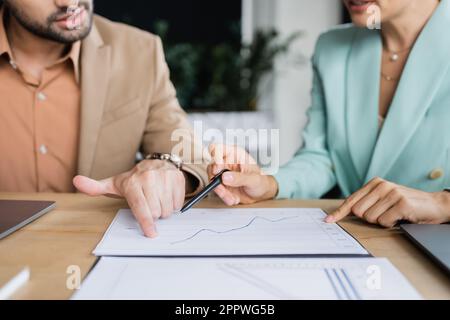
(360, 20)
(69, 36)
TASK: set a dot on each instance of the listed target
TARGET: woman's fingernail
(227, 177)
(330, 219)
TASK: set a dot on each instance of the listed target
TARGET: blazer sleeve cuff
(199, 173)
(287, 187)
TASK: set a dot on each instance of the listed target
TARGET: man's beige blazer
(129, 103)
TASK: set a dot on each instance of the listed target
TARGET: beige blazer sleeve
(168, 129)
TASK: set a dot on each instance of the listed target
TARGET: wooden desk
(67, 236)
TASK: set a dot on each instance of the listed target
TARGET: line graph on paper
(254, 219)
(230, 232)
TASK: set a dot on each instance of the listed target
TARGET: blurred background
(238, 63)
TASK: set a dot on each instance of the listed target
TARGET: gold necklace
(388, 78)
(394, 56)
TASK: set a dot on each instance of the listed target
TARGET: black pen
(215, 182)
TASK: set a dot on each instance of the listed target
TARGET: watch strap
(175, 160)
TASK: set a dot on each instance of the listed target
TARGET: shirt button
(437, 174)
(41, 96)
(43, 149)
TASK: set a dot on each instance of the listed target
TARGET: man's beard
(47, 31)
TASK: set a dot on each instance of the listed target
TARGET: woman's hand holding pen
(245, 183)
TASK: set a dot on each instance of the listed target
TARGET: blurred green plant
(225, 76)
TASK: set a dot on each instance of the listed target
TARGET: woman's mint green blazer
(342, 142)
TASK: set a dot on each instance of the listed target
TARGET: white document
(245, 279)
(231, 232)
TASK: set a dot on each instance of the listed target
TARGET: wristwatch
(172, 158)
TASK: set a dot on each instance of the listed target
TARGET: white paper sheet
(231, 232)
(245, 279)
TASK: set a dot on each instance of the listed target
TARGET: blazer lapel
(424, 72)
(95, 63)
(363, 87)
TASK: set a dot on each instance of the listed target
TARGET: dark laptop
(17, 214)
(433, 239)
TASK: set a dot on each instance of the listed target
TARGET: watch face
(165, 157)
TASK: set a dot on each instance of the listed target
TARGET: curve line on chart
(235, 229)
